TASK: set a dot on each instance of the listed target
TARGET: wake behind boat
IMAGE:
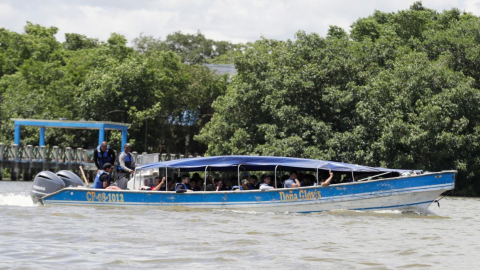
(369, 188)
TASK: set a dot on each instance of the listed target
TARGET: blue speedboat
(372, 189)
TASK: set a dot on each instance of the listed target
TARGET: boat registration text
(93, 196)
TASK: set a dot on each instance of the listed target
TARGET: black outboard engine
(70, 179)
(45, 183)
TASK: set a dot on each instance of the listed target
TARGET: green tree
(402, 91)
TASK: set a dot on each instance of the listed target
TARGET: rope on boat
(438, 201)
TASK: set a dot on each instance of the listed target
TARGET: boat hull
(414, 193)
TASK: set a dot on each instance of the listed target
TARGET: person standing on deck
(126, 166)
(103, 154)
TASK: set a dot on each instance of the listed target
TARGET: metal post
(101, 134)
(205, 184)
(317, 176)
(276, 175)
(29, 152)
(17, 134)
(166, 178)
(42, 136)
(239, 175)
(353, 177)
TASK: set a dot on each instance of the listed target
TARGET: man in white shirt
(266, 185)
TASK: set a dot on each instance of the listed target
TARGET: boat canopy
(260, 163)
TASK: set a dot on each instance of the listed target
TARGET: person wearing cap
(126, 166)
(103, 179)
(103, 154)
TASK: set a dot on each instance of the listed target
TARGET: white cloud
(233, 20)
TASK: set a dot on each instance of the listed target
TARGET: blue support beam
(124, 137)
(17, 134)
(93, 125)
(101, 135)
(42, 137)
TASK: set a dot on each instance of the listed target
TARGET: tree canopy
(401, 90)
(86, 79)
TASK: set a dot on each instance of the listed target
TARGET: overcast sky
(232, 20)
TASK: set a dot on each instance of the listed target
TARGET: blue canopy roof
(260, 163)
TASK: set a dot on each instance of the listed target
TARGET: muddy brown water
(85, 237)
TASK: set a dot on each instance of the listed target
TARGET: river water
(59, 237)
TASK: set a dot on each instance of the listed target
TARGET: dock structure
(23, 162)
(67, 124)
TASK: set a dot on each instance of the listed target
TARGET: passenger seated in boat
(194, 186)
(228, 185)
(292, 181)
(196, 177)
(266, 185)
(300, 178)
(327, 182)
(159, 185)
(349, 179)
(253, 182)
(307, 180)
(262, 177)
(103, 178)
(210, 183)
(183, 186)
(282, 179)
(237, 188)
(219, 184)
(245, 184)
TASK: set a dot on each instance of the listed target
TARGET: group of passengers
(105, 160)
(248, 182)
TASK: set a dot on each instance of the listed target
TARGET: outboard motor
(45, 183)
(70, 179)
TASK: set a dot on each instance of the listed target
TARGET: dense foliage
(401, 90)
(85, 79)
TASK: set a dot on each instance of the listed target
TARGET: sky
(231, 20)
